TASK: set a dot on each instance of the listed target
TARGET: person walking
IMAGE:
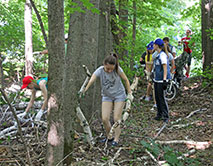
(185, 42)
(147, 57)
(113, 93)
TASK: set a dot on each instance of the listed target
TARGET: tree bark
(28, 38)
(55, 115)
(207, 41)
(123, 17)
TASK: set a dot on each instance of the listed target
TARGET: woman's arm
(173, 66)
(164, 71)
(32, 98)
(42, 85)
(91, 81)
(127, 84)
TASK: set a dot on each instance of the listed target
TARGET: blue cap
(159, 42)
(150, 46)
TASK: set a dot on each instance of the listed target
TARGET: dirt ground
(140, 128)
(136, 146)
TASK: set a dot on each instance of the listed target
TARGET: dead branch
(190, 144)
(115, 156)
(192, 113)
(153, 158)
(85, 126)
(192, 151)
(196, 111)
(183, 125)
(126, 110)
(161, 129)
(19, 126)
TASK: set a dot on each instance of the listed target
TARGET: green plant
(168, 154)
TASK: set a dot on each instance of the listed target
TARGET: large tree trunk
(82, 50)
(28, 38)
(56, 51)
(207, 41)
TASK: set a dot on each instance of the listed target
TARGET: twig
(64, 158)
(194, 112)
(164, 125)
(153, 158)
(85, 126)
(115, 156)
(19, 126)
(187, 154)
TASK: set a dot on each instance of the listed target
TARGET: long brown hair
(164, 48)
(112, 59)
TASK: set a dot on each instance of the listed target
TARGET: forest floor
(137, 146)
(140, 129)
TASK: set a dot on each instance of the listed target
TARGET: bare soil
(137, 135)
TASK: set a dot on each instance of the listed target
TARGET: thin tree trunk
(1, 72)
(55, 115)
(123, 16)
(28, 38)
(40, 22)
(134, 27)
(114, 26)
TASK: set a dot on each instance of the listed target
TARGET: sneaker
(142, 98)
(114, 143)
(105, 139)
(154, 107)
(147, 98)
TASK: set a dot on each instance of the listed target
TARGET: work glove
(164, 85)
(39, 115)
(22, 115)
(130, 97)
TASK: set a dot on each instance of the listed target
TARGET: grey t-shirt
(111, 85)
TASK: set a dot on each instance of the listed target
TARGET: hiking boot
(166, 120)
(158, 118)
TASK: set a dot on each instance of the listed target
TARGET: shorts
(189, 59)
(118, 98)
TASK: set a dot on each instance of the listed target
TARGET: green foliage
(168, 154)
(210, 33)
(207, 75)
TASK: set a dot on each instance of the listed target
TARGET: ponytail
(164, 48)
(112, 59)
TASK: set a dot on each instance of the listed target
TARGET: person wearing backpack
(161, 77)
(171, 49)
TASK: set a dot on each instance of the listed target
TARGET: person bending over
(41, 84)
